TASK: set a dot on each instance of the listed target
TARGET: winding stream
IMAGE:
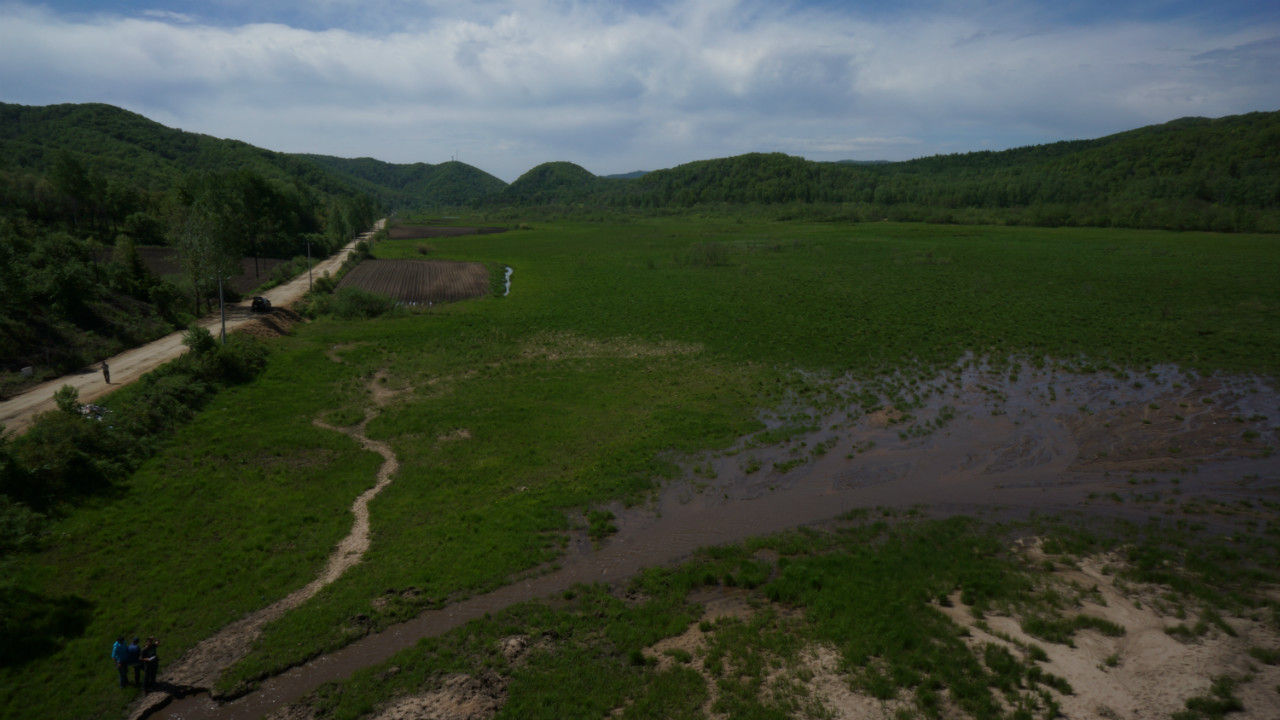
(1014, 447)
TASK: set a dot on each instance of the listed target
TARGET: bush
(199, 340)
(67, 399)
(324, 284)
(241, 359)
(352, 304)
(65, 456)
(710, 254)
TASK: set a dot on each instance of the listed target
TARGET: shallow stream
(973, 441)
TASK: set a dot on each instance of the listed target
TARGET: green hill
(1193, 173)
(552, 183)
(418, 185)
(83, 186)
(121, 144)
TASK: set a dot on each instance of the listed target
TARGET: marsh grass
(864, 589)
(253, 484)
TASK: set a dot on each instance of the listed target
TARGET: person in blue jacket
(133, 658)
(119, 653)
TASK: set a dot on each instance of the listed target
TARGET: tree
(203, 252)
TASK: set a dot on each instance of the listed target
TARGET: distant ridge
(415, 185)
(122, 144)
(119, 143)
(1192, 173)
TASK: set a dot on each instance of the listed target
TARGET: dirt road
(17, 412)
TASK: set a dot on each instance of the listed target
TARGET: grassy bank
(622, 347)
(869, 590)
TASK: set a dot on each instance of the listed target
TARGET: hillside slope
(119, 143)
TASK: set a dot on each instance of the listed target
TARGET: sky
(505, 85)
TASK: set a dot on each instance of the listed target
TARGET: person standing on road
(106, 372)
(151, 662)
(121, 656)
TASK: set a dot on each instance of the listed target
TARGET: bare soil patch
(418, 282)
(279, 321)
(1146, 672)
(569, 346)
(1143, 674)
(414, 232)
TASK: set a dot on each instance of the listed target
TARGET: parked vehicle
(260, 304)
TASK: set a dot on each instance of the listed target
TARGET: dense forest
(84, 187)
(1194, 173)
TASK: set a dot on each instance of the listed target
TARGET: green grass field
(623, 347)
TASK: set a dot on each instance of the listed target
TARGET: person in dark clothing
(106, 372)
(133, 658)
(120, 656)
(151, 663)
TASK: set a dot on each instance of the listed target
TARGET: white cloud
(169, 16)
(512, 84)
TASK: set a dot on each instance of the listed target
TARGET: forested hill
(413, 186)
(116, 143)
(554, 183)
(1193, 173)
(85, 189)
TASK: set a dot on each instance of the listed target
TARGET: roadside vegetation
(624, 349)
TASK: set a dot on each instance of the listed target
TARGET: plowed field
(414, 282)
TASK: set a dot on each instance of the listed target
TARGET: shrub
(324, 284)
(199, 340)
(65, 456)
(356, 304)
(67, 399)
(710, 254)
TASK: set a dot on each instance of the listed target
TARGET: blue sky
(507, 84)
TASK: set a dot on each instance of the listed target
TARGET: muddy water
(1030, 444)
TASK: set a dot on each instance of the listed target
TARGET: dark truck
(260, 304)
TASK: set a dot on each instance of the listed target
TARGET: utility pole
(222, 308)
(310, 286)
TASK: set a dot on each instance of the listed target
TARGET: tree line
(1190, 174)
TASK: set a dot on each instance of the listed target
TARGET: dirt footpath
(17, 412)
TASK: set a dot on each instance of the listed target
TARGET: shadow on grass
(33, 626)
